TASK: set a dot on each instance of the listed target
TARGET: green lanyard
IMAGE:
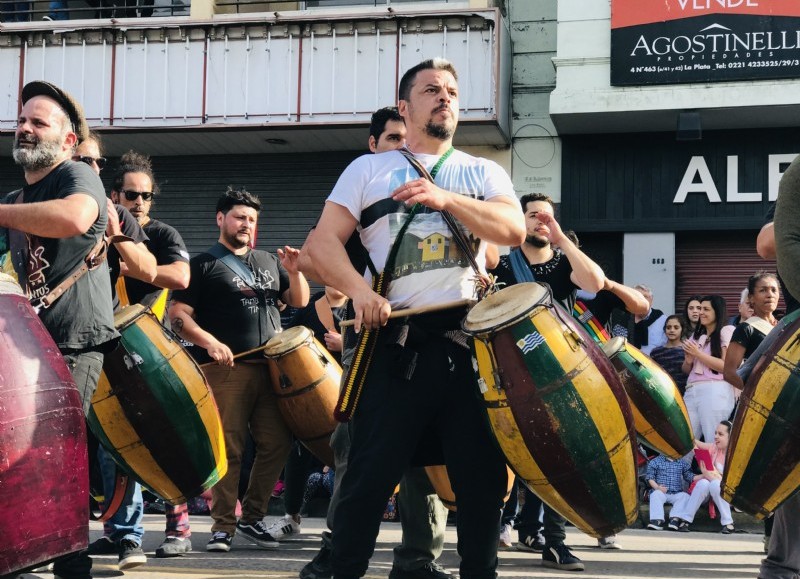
(441, 161)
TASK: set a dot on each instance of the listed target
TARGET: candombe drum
(659, 414)
(154, 412)
(557, 407)
(44, 475)
(305, 379)
(763, 465)
(440, 481)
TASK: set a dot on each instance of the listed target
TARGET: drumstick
(239, 355)
(415, 311)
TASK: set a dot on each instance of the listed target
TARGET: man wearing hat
(55, 221)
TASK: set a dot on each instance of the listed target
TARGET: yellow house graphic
(433, 247)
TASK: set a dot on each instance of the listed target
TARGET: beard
(536, 241)
(233, 240)
(45, 153)
(440, 131)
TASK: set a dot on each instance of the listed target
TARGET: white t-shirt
(430, 268)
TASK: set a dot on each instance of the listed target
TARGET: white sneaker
(609, 542)
(504, 540)
(284, 528)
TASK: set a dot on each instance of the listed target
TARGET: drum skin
(305, 379)
(557, 408)
(43, 457)
(659, 414)
(154, 411)
(444, 490)
(762, 468)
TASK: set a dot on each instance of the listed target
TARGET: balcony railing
(12, 11)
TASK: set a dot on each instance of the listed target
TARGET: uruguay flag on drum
(557, 407)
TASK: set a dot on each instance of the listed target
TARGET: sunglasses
(132, 195)
(101, 161)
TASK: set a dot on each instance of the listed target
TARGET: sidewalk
(645, 555)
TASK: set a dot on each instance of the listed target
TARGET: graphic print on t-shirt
(35, 267)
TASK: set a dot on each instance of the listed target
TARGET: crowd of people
(411, 376)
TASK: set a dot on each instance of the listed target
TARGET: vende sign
(679, 41)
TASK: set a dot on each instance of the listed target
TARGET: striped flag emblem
(585, 316)
(530, 342)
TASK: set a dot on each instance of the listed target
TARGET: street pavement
(645, 555)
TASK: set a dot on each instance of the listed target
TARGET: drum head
(613, 346)
(287, 340)
(128, 315)
(9, 285)
(505, 306)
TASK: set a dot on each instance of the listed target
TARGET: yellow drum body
(659, 414)
(762, 469)
(305, 379)
(154, 411)
(444, 490)
(557, 408)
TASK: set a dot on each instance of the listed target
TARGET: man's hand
(289, 258)
(333, 341)
(424, 192)
(220, 353)
(372, 311)
(113, 227)
(555, 235)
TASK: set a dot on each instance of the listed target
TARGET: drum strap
(519, 266)
(760, 324)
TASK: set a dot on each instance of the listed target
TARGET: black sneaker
(430, 570)
(174, 547)
(560, 557)
(130, 555)
(103, 546)
(320, 565)
(683, 527)
(220, 541)
(257, 533)
(657, 525)
(674, 523)
(531, 543)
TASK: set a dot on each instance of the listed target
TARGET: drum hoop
(128, 316)
(614, 346)
(489, 331)
(309, 339)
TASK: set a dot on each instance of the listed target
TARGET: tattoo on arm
(177, 325)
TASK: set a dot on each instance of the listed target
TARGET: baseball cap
(73, 109)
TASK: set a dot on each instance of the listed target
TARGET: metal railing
(16, 11)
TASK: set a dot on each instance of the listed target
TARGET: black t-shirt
(130, 228)
(308, 317)
(791, 303)
(82, 317)
(747, 336)
(237, 315)
(167, 245)
(555, 273)
(603, 304)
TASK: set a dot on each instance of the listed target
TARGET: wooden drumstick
(239, 355)
(414, 311)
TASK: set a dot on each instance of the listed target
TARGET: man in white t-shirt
(419, 403)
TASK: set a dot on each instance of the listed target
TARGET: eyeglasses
(101, 161)
(132, 195)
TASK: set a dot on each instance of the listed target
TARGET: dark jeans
(85, 369)
(394, 417)
(553, 526)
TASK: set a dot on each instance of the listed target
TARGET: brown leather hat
(73, 109)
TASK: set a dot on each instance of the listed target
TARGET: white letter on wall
(697, 166)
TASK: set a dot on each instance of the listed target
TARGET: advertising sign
(681, 41)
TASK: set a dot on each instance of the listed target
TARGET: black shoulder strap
(233, 263)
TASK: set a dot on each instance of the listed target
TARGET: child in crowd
(670, 356)
(666, 477)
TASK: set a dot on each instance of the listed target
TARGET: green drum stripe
(172, 395)
(772, 457)
(580, 437)
(100, 435)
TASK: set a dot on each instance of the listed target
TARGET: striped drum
(44, 475)
(556, 407)
(154, 412)
(763, 465)
(659, 414)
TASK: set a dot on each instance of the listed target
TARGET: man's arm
(172, 276)
(326, 251)
(56, 219)
(298, 293)
(787, 228)
(138, 262)
(633, 299)
(765, 242)
(181, 317)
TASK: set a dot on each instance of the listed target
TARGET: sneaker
(531, 543)
(674, 523)
(683, 527)
(220, 541)
(658, 525)
(560, 557)
(130, 555)
(174, 547)
(320, 565)
(257, 533)
(430, 570)
(728, 529)
(284, 528)
(504, 540)
(609, 542)
(103, 546)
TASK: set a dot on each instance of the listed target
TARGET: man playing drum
(419, 387)
(56, 221)
(565, 270)
(230, 307)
